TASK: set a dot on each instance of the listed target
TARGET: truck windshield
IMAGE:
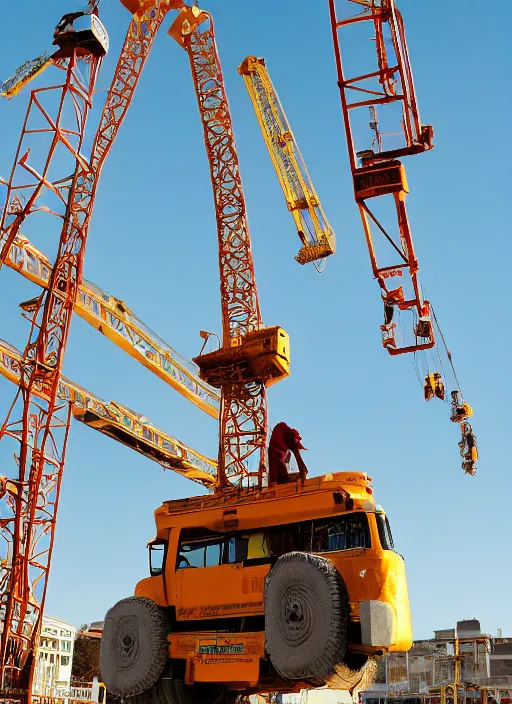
(386, 539)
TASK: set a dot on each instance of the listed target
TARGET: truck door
(214, 579)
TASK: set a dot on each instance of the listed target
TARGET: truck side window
(386, 539)
(283, 539)
(157, 551)
(199, 553)
(341, 533)
(346, 532)
(235, 549)
(212, 555)
(191, 555)
(257, 546)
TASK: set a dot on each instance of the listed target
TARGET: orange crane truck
(283, 588)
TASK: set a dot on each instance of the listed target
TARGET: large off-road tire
(306, 616)
(134, 648)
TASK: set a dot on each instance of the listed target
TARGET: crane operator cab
(80, 30)
(283, 588)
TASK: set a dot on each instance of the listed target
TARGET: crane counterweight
(261, 354)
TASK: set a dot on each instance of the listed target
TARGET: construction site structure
(303, 585)
(251, 356)
(387, 101)
(114, 319)
(258, 623)
(460, 664)
(40, 424)
(382, 104)
(28, 516)
(445, 694)
(82, 30)
(120, 423)
(315, 233)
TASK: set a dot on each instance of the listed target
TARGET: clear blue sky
(153, 243)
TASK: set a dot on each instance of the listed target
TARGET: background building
(501, 658)
(483, 659)
(54, 657)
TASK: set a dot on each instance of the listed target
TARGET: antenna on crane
(204, 335)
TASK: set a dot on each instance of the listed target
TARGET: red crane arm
(386, 92)
(28, 512)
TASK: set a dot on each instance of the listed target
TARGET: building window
(414, 683)
(52, 657)
(66, 645)
(66, 634)
(64, 660)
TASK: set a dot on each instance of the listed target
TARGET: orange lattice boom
(30, 500)
(251, 356)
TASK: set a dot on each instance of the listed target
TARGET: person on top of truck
(283, 442)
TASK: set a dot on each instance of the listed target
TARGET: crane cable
(448, 353)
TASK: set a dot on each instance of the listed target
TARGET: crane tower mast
(30, 505)
(31, 502)
(251, 356)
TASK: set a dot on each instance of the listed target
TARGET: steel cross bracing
(376, 172)
(42, 432)
(314, 231)
(243, 416)
(34, 67)
(29, 507)
(390, 83)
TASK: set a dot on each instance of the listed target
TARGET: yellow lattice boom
(121, 423)
(24, 74)
(316, 235)
(116, 321)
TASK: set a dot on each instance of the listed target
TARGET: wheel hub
(297, 616)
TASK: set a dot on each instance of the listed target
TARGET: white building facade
(54, 657)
